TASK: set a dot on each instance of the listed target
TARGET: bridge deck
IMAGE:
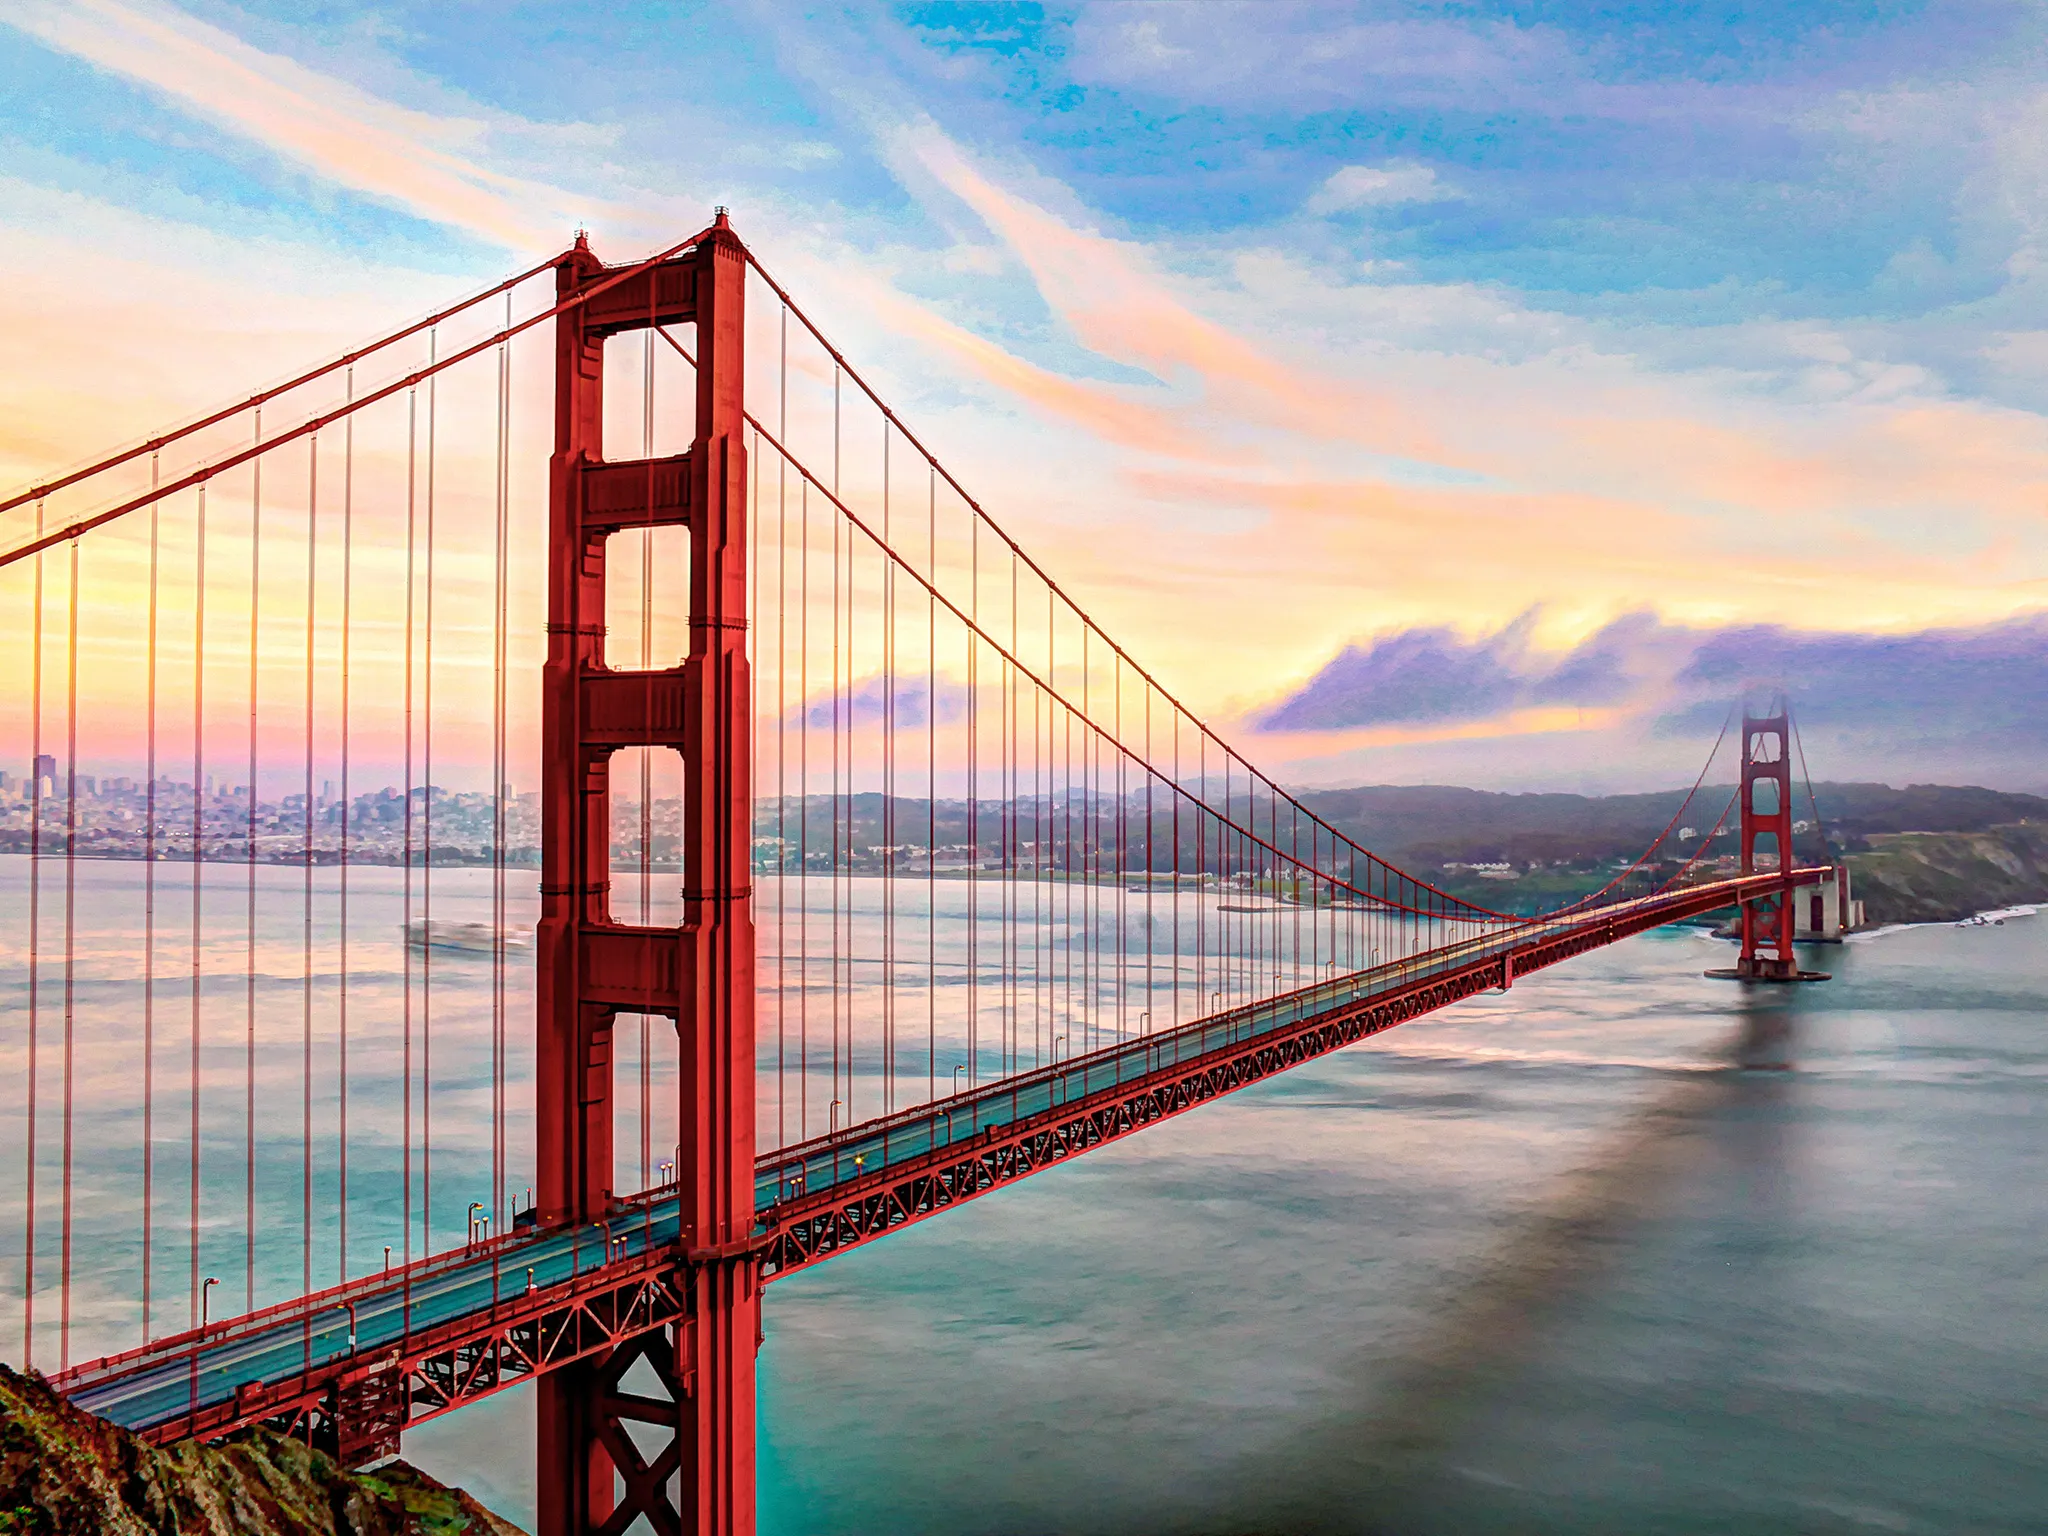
(466, 1323)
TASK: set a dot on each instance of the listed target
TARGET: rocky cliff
(64, 1472)
(1931, 877)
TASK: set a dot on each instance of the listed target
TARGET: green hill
(64, 1472)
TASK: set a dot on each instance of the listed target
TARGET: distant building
(46, 767)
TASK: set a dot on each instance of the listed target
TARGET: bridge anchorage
(951, 889)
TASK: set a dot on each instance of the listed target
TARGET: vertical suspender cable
(888, 799)
(412, 411)
(70, 952)
(498, 772)
(306, 887)
(1151, 866)
(973, 807)
(348, 533)
(1063, 834)
(837, 807)
(427, 842)
(1202, 903)
(647, 697)
(838, 951)
(841, 1003)
(781, 744)
(35, 913)
(1088, 832)
(149, 931)
(1006, 782)
(1174, 833)
(1121, 832)
(931, 790)
(249, 928)
(756, 768)
(803, 824)
(1053, 813)
(199, 798)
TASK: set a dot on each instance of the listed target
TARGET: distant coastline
(1924, 853)
(1945, 877)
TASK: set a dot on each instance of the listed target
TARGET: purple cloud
(1944, 688)
(1432, 676)
(1986, 683)
(866, 703)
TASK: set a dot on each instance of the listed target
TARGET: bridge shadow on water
(1394, 1466)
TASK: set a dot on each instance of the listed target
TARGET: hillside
(64, 1472)
(1438, 824)
(1930, 877)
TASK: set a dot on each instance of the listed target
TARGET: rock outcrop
(64, 1472)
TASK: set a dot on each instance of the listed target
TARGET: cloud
(1959, 703)
(1252, 55)
(1319, 449)
(1985, 684)
(1120, 305)
(1376, 186)
(429, 164)
(1431, 675)
(1436, 453)
(867, 703)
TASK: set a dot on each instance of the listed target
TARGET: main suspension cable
(257, 401)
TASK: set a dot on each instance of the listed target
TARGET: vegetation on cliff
(1933, 877)
(1926, 853)
(1425, 825)
(64, 1472)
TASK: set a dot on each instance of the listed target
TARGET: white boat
(461, 938)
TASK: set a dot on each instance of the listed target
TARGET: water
(243, 1051)
(1543, 1262)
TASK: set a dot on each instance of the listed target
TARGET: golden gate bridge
(873, 876)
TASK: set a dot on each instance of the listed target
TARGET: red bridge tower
(1767, 921)
(592, 967)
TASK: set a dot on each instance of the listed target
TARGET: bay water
(1624, 1249)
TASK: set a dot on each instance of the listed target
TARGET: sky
(1469, 393)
